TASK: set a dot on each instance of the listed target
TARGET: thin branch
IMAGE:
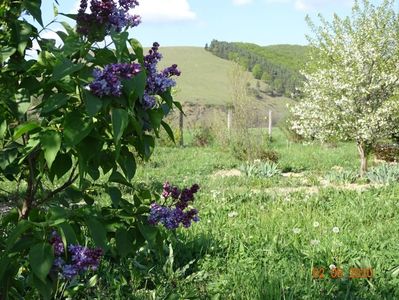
(72, 178)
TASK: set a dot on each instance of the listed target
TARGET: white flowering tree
(352, 78)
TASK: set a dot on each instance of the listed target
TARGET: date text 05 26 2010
(335, 273)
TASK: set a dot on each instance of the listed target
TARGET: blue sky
(196, 22)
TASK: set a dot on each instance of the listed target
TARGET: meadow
(266, 238)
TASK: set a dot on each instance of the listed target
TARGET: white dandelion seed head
(296, 230)
(314, 242)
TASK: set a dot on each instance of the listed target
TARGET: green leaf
(120, 120)
(156, 117)
(3, 129)
(138, 50)
(55, 10)
(104, 56)
(97, 232)
(41, 260)
(115, 195)
(120, 40)
(118, 178)
(51, 144)
(61, 165)
(6, 52)
(149, 232)
(93, 103)
(25, 128)
(76, 128)
(127, 163)
(68, 233)
(22, 97)
(33, 7)
(139, 83)
(44, 288)
(93, 281)
(168, 130)
(54, 102)
(65, 68)
(7, 157)
(124, 242)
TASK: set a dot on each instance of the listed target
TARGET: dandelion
(316, 224)
(314, 242)
(335, 229)
(296, 230)
(232, 214)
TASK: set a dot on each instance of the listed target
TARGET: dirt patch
(292, 174)
(227, 173)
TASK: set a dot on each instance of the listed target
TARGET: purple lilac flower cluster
(107, 82)
(157, 83)
(178, 213)
(82, 258)
(106, 14)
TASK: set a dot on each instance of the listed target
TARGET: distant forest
(278, 65)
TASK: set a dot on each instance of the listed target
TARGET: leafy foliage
(73, 115)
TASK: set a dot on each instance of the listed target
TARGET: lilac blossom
(57, 243)
(107, 82)
(107, 14)
(157, 82)
(178, 212)
(81, 259)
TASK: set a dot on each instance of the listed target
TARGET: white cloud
(242, 2)
(306, 5)
(164, 11)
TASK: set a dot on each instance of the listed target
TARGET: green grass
(256, 242)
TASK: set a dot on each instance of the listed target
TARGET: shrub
(387, 152)
(384, 174)
(342, 176)
(260, 169)
(202, 136)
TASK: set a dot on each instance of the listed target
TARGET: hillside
(206, 80)
(277, 66)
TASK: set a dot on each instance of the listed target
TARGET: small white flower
(209, 221)
(332, 267)
(335, 229)
(316, 224)
(232, 214)
(314, 242)
(296, 230)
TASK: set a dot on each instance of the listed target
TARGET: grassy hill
(206, 79)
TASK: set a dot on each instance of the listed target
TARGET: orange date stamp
(336, 273)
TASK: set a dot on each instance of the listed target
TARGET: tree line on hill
(278, 66)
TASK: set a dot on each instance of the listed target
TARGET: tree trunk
(363, 153)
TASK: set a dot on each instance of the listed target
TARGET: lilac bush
(178, 212)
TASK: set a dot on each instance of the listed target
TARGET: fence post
(181, 129)
(270, 124)
(229, 118)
